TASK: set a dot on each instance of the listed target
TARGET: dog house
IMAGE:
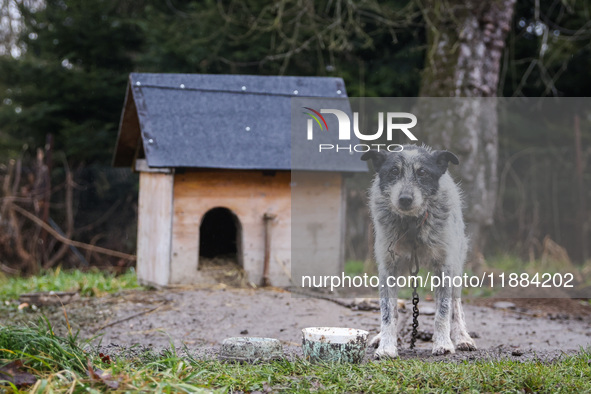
(214, 157)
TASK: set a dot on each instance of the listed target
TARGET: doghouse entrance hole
(220, 235)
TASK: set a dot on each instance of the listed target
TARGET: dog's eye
(395, 171)
(421, 172)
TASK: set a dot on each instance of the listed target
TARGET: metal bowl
(334, 344)
(251, 349)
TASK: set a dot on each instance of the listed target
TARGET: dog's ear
(443, 158)
(377, 158)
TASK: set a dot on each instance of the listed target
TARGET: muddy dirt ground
(200, 318)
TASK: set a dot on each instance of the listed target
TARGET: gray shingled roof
(221, 121)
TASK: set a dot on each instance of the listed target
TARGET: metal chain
(414, 271)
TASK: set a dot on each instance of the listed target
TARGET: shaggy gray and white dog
(415, 205)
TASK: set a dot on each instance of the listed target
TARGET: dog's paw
(385, 352)
(464, 342)
(467, 346)
(375, 341)
(440, 350)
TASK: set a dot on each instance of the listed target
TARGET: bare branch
(65, 240)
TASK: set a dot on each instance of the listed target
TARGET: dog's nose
(405, 201)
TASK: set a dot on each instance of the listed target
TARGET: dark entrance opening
(220, 235)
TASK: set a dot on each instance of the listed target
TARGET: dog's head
(408, 178)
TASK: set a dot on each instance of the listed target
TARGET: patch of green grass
(41, 348)
(354, 267)
(507, 263)
(534, 270)
(510, 263)
(61, 364)
(89, 283)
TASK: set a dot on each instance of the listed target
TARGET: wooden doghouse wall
(154, 228)
(249, 195)
(318, 226)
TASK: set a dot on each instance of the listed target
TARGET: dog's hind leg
(442, 343)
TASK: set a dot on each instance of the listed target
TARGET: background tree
(465, 45)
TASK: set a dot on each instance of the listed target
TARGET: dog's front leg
(441, 336)
(388, 336)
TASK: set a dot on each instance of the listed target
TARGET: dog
(416, 207)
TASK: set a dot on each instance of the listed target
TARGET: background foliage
(69, 74)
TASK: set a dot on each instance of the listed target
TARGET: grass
(42, 349)
(354, 267)
(62, 364)
(89, 283)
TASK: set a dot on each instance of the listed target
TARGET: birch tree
(465, 42)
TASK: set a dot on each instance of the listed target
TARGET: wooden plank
(317, 225)
(141, 165)
(154, 228)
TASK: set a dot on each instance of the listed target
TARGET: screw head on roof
(339, 91)
(243, 88)
(182, 85)
(138, 83)
(295, 92)
(150, 141)
(247, 128)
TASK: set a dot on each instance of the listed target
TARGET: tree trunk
(466, 39)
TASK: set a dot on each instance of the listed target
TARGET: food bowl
(251, 349)
(334, 344)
